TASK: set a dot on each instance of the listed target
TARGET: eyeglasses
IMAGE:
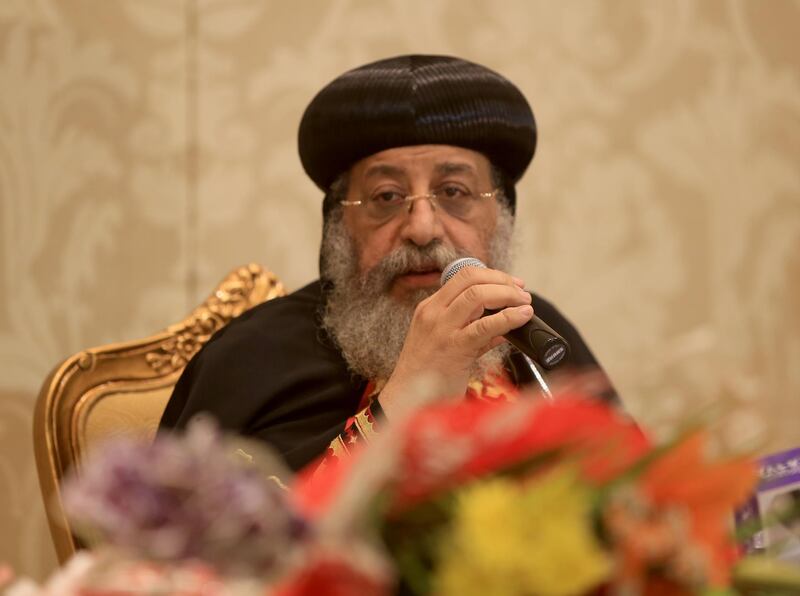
(457, 201)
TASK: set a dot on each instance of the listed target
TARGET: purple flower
(182, 497)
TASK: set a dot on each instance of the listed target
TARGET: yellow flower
(510, 539)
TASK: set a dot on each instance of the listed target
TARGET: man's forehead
(388, 170)
(436, 159)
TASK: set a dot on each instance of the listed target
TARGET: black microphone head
(457, 265)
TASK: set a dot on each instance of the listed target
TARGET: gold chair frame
(123, 388)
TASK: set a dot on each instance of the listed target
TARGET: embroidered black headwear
(415, 100)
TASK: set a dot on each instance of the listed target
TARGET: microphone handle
(537, 340)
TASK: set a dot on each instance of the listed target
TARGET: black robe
(274, 374)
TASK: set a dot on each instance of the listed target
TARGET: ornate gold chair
(123, 389)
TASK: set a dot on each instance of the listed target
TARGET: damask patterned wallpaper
(148, 146)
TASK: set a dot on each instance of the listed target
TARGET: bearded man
(418, 157)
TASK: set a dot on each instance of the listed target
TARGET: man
(418, 157)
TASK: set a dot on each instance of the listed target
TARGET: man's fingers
(471, 303)
(485, 329)
(472, 276)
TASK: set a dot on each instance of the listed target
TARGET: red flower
(330, 577)
(492, 436)
(449, 443)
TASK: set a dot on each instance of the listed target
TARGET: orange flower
(677, 516)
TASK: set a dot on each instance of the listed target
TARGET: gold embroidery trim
(338, 447)
(364, 426)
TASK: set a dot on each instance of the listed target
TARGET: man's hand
(448, 332)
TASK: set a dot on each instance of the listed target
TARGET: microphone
(535, 338)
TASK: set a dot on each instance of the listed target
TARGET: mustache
(407, 259)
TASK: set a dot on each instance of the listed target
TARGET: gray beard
(367, 323)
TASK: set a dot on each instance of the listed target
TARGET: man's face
(419, 170)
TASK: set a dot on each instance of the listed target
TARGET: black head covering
(416, 100)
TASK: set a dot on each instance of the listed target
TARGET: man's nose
(422, 223)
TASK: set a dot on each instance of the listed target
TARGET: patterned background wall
(148, 146)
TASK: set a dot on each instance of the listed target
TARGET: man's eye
(454, 192)
(387, 196)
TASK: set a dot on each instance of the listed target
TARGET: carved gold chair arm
(122, 389)
(242, 289)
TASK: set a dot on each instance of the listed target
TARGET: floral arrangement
(529, 497)
(456, 498)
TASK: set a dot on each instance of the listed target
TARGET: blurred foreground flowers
(508, 538)
(458, 498)
(180, 498)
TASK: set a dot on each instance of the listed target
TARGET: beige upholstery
(122, 389)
